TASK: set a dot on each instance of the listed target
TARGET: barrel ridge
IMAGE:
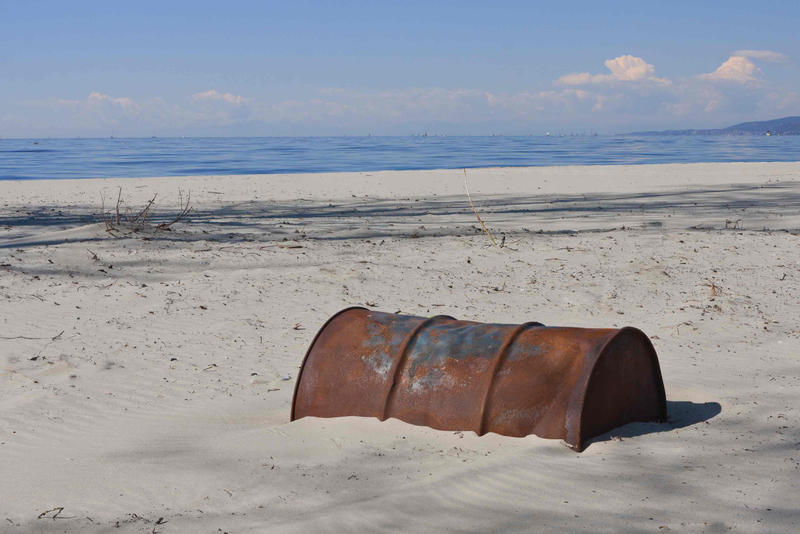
(498, 362)
(401, 360)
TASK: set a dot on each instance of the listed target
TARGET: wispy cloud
(215, 96)
(625, 68)
(430, 105)
(99, 99)
(94, 101)
(96, 114)
(764, 55)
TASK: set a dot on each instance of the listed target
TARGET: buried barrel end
(293, 414)
(624, 385)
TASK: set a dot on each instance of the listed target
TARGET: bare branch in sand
(185, 208)
(119, 199)
(483, 226)
(125, 220)
(56, 514)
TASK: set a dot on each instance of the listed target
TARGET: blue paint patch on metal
(399, 327)
(434, 346)
(385, 333)
(528, 352)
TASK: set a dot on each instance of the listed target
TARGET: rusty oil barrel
(515, 380)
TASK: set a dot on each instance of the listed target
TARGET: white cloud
(737, 69)
(625, 68)
(216, 96)
(578, 78)
(99, 99)
(629, 68)
(764, 55)
(740, 68)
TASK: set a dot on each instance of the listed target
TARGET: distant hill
(784, 126)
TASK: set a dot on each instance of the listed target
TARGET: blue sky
(354, 68)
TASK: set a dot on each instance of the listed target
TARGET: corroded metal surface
(515, 380)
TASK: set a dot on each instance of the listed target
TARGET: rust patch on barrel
(516, 380)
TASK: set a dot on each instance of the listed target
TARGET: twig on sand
(480, 221)
(139, 219)
(185, 208)
(716, 291)
(111, 222)
(119, 199)
(52, 340)
(160, 521)
(27, 337)
(57, 510)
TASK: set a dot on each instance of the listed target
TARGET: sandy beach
(147, 377)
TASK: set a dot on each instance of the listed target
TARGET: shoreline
(698, 196)
(738, 169)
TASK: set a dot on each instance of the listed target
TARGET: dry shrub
(123, 219)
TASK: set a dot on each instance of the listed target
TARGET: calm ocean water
(30, 159)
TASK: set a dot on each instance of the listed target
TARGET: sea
(37, 159)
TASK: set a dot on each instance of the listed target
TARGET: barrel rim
(311, 347)
(580, 441)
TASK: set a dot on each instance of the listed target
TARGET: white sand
(159, 377)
